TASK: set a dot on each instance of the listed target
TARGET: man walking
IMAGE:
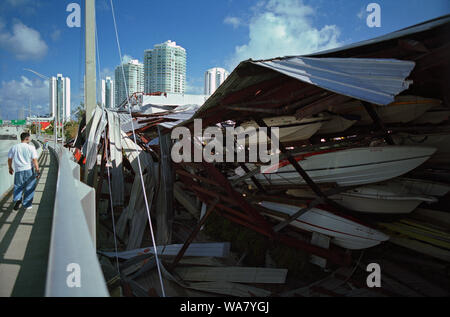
(23, 155)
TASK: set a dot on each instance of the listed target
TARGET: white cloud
(235, 22)
(24, 42)
(106, 72)
(284, 27)
(17, 94)
(127, 58)
(361, 13)
(56, 34)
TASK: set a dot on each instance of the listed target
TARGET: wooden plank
(230, 289)
(164, 202)
(213, 249)
(438, 217)
(128, 212)
(322, 241)
(418, 234)
(233, 274)
(197, 261)
(140, 217)
(421, 247)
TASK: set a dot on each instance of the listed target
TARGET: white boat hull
(343, 232)
(290, 129)
(351, 167)
(335, 125)
(384, 198)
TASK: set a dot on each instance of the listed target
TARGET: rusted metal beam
(253, 178)
(335, 256)
(378, 122)
(237, 197)
(295, 164)
(193, 235)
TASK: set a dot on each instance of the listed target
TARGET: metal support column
(376, 119)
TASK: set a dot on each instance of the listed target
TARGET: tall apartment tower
(214, 77)
(60, 97)
(108, 93)
(165, 68)
(134, 80)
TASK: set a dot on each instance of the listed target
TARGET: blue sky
(215, 33)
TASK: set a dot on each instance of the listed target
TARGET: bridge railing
(73, 267)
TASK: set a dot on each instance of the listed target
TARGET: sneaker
(17, 205)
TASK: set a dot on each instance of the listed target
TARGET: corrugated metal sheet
(376, 81)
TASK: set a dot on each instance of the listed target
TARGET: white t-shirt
(22, 155)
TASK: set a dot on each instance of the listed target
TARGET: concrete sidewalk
(25, 236)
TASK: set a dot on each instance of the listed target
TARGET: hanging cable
(138, 159)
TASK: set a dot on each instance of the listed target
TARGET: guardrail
(73, 267)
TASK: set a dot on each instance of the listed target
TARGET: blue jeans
(24, 184)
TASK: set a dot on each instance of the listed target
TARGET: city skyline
(220, 34)
(60, 97)
(214, 77)
(165, 68)
(108, 92)
(128, 78)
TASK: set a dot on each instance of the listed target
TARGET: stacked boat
(343, 231)
(292, 129)
(348, 167)
(373, 176)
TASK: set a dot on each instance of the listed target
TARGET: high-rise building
(165, 68)
(134, 80)
(60, 97)
(108, 93)
(214, 77)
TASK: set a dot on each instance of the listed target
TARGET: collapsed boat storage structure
(407, 68)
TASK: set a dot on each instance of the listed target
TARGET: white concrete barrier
(73, 266)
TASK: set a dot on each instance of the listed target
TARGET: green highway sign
(18, 122)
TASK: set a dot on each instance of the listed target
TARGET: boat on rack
(337, 123)
(385, 198)
(291, 129)
(343, 231)
(391, 197)
(435, 115)
(349, 167)
(423, 186)
(404, 109)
